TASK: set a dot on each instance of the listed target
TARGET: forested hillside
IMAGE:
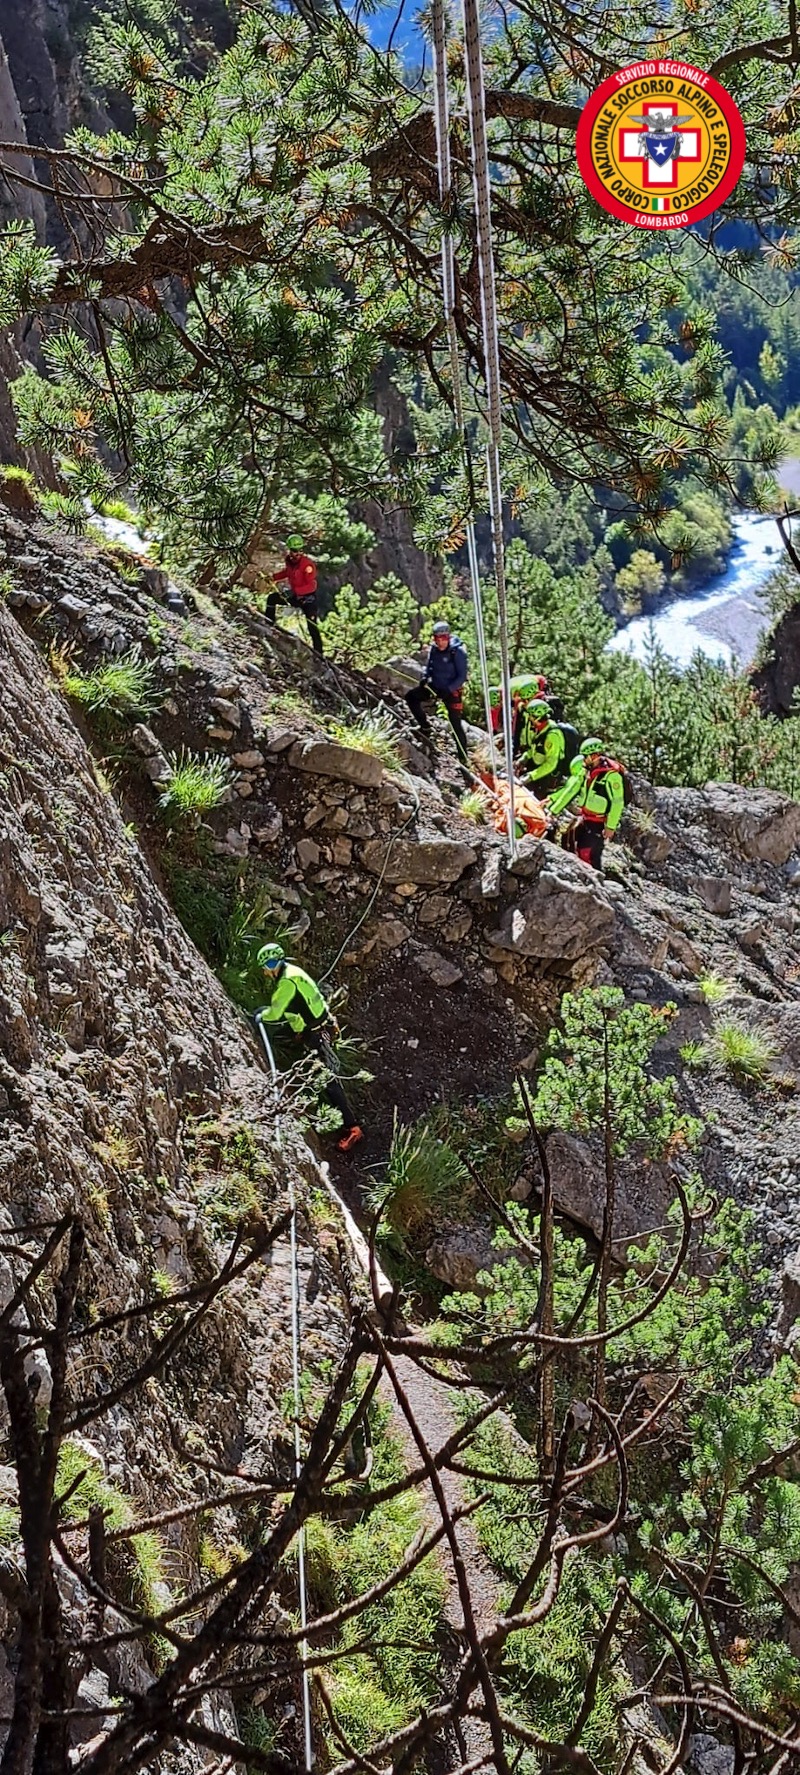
(399, 1198)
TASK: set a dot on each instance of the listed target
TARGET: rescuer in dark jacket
(444, 678)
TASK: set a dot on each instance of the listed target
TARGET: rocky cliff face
(415, 908)
(131, 1096)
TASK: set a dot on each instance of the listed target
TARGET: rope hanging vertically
(298, 1452)
(473, 56)
(445, 171)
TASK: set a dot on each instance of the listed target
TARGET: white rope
(491, 349)
(298, 1454)
(442, 119)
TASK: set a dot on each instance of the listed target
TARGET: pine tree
(269, 231)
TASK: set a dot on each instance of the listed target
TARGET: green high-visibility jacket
(297, 1000)
(544, 751)
(604, 797)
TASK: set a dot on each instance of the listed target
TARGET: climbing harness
(298, 1457)
(445, 171)
(476, 105)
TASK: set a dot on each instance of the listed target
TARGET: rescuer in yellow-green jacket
(596, 786)
(299, 1013)
(543, 744)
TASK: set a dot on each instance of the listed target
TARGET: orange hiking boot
(349, 1139)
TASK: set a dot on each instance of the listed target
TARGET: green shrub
(122, 686)
(196, 783)
(258, 1731)
(370, 733)
(423, 1177)
(228, 915)
(747, 1054)
(162, 1283)
(229, 1173)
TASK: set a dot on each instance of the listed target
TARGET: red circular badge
(660, 144)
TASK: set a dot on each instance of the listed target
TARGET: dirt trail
(431, 1404)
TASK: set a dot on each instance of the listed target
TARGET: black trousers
(289, 1044)
(308, 608)
(332, 1091)
(420, 701)
(585, 838)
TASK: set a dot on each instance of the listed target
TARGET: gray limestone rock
(308, 853)
(458, 1256)
(492, 874)
(72, 607)
(144, 739)
(157, 768)
(715, 892)
(324, 758)
(435, 909)
(443, 972)
(279, 739)
(431, 862)
(643, 1190)
(790, 1295)
(271, 825)
(227, 711)
(708, 1757)
(764, 825)
(564, 913)
(391, 933)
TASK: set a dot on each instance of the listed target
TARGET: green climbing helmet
(588, 747)
(526, 684)
(538, 712)
(294, 545)
(271, 956)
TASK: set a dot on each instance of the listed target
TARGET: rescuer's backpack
(571, 740)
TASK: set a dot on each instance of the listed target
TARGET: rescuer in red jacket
(298, 581)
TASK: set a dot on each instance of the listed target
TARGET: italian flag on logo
(659, 203)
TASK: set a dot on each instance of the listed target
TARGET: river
(724, 620)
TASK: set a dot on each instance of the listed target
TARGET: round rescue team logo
(660, 144)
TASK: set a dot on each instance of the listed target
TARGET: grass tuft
(423, 1176)
(371, 733)
(64, 510)
(747, 1054)
(473, 806)
(390, 1666)
(694, 1054)
(122, 686)
(714, 987)
(117, 508)
(138, 1563)
(196, 782)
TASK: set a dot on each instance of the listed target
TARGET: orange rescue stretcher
(529, 814)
